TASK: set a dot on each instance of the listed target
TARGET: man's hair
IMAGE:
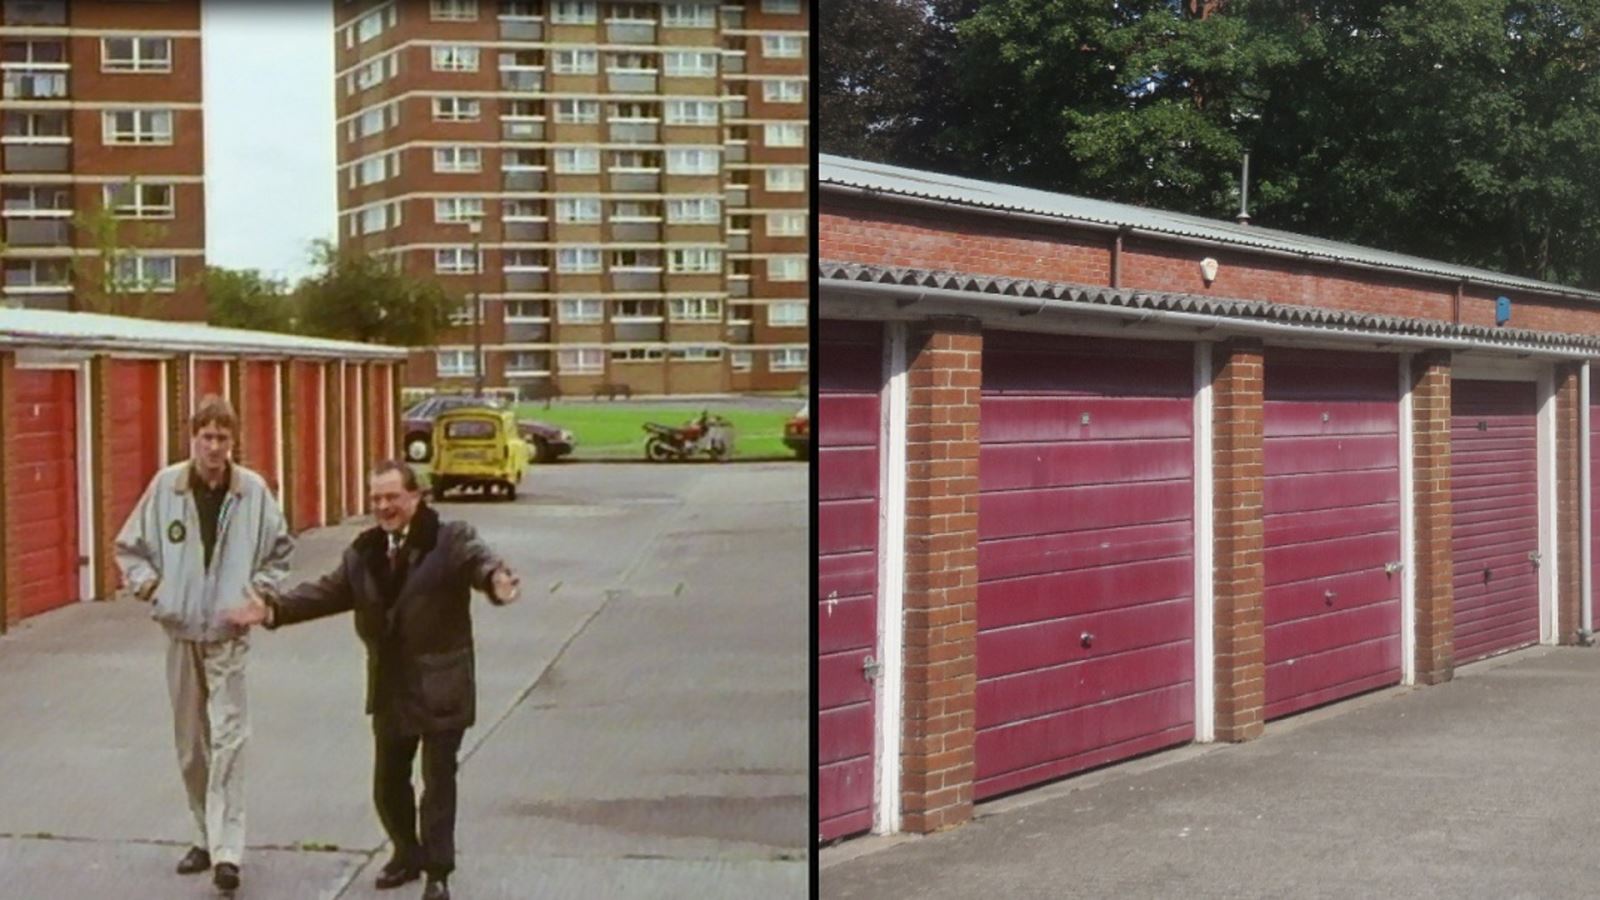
(408, 475)
(214, 410)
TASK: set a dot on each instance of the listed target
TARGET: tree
(869, 71)
(360, 297)
(242, 298)
(110, 280)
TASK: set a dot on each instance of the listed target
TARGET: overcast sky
(268, 69)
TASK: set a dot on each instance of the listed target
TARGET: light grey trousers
(210, 726)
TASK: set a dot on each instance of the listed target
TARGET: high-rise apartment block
(102, 158)
(624, 185)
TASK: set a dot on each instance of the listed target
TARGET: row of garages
(1060, 528)
(92, 406)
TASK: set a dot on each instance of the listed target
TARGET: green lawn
(615, 431)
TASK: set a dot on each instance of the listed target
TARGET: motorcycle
(709, 435)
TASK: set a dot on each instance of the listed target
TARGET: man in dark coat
(409, 582)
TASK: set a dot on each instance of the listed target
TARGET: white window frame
(454, 58)
(453, 10)
(781, 7)
(789, 318)
(577, 160)
(576, 360)
(578, 210)
(786, 268)
(784, 134)
(694, 210)
(139, 209)
(462, 364)
(456, 261)
(452, 160)
(451, 109)
(702, 64)
(456, 210)
(577, 111)
(141, 280)
(144, 132)
(578, 260)
(575, 61)
(688, 15)
(574, 12)
(783, 90)
(367, 27)
(575, 311)
(788, 359)
(741, 360)
(783, 46)
(796, 226)
(695, 260)
(137, 62)
(696, 353)
(693, 161)
(694, 309)
(693, 112)
(786, 179)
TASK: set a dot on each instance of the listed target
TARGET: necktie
(395, 542)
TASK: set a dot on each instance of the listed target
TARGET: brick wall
(1239, 573)
(1430, 453)
(941, 575)
(180, 402)
(10, 516)
(1569, 504)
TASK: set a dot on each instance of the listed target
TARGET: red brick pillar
(180, 403)
(106, 575)
(1239, 579)
(941, 574)
(1569, 505)
(333, 446)
(1430, 485)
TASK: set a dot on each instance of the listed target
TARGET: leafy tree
(103, 282)
(869, 73)
(360, 297)
(242, 298)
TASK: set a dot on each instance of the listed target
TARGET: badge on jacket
(176, 532)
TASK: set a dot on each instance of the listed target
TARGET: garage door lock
(1393, 567)
(870, 668)
(1534, 558)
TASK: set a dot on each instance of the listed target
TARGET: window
(636, 261)
(786, 268)
(578, 209)
(632, 12)
(455, 59)
(375, 120)
(740, 360)
(785, 134)
(455, 210)
(576, 62)
(635, 161)
(133, 200)
(783, 90)
(137, 126)
(135, 54)
(581, 311)
(581, 360)
(635, 211)
(689, 15)
(695, 309)
(525, 311)
(370, 75)
(786, 178)
(376, 218)
(456, 109)
(129, 274)
(782, 46)
(696, 354)
(524, 261)
(689, 64)
(41, 123)
(780, 6)
(788, 314)
(457, 159)
(577, 160)
(630, 62)
(577, 260)
(522, 211)
(692, 112)
(787, 359)
(453, 10)
(636, 354)
(375, 169)
(636, 309)
(569, 12)
(455, 261)
(695, 211)
(695, 261)
(369, 26)
(786, 224)
(455, 363)
(578, 112)
(693, 161)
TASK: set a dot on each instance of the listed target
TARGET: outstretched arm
(327, 596)
(485, 570)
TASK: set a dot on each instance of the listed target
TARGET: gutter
(1297, 255)
(49, 341)
(948, 301)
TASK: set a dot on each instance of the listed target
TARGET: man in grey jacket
(206, 531)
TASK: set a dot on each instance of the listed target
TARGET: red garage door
(353, 463)
(1331, 527)
(1494, 484)
(210, 377)
(1085, 555)
(306, 444)
(133, 441)
(849, 382)
(43, 480)
(261, 426)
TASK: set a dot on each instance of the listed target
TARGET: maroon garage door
(1085, 555)
(849, 384)
(1331, 526)
(1494, 484)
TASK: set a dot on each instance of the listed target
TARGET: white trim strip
(1586, 508)
(1549, 612)
(1408, 528)
(891, 582)
(1205, 703)
(87, 483)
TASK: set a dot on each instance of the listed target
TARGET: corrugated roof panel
(847, 172)
(42, 327)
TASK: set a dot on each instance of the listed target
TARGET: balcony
(738, 286)
(522, 129)
(528, 80)
(631, 32)
(736, 151)
(636, 181)
(740, 332)
(635, 231)
(738, 242)
(636, 279)
(733, 106)
(519, 280)
(733, 61)
(37, 158)
(650, 331)
(35, 85)
(737, 194)
(521, 29)
(527, 332)
(635, 131)
(523, 180)
(54, 232)
(35, 12)
(632, 82)
(526, 229)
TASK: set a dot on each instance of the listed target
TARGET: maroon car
(549, 443)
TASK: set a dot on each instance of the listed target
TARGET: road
(642, 722)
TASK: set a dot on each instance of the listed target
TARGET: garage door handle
(1086, 639)
(1535, 558)
(1327, 597)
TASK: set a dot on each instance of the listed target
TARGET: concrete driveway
(642, 728)
(1482, 787)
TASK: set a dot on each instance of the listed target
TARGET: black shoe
(395, 873)
(437, 889)
(196, 860)
(226, 878)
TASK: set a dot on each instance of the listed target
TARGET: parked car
(548, 442)
(478, 446)
(797, 432)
